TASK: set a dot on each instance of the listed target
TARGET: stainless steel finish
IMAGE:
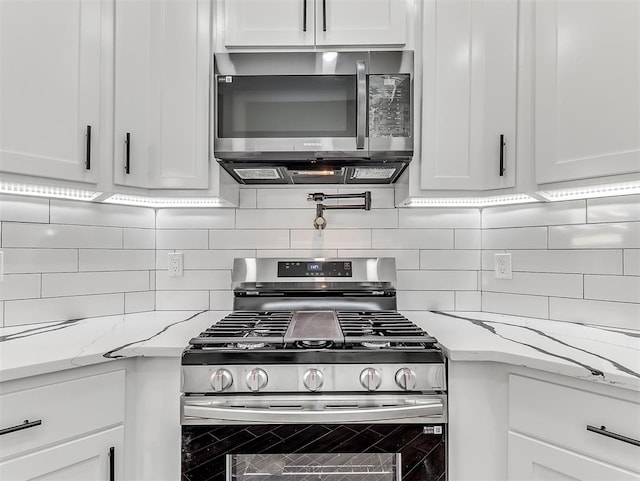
(361, 101)
(313, 409)
(221, 380)
(313, 379)
(310, 326)
(288, 378)
(257, 379)
(253, 270)
(406, 379)
(370, 379)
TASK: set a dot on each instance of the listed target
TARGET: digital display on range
(315, 269)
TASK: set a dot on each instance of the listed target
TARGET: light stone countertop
(599, 354)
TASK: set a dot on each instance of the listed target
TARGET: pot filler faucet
(319, 222)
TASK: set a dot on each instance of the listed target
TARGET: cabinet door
(361, 22)
(162, 93)
(269, 23)
(50, 74)
(469, 94)
(530, 460)
(587, 100)
(85, 459)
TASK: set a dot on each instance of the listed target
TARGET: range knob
(313, 379)
(257, 379)
(406, 379)
(370, 378)
(221, 380)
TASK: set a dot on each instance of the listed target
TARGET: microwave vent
(373, 172)
(258, 174)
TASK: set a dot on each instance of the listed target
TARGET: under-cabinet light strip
(47, 191)
(469, 201)
(159, 202)
(590, 192)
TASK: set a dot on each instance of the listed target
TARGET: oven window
(287, 106)
(307, 467)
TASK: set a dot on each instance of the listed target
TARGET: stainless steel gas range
(314, 376)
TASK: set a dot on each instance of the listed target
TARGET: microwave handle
(361, 120)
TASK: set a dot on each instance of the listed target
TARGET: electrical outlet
(175, 264)
(502, 266)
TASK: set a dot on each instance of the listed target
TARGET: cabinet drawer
(560, 414)
(66, 409)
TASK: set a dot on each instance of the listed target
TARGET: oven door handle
(205, 410)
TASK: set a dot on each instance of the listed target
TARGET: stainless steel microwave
(313, 117)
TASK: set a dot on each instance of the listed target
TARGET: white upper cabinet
(162, 50)
(50, 88)
(469, 94)
(302, 23)
(586, 88)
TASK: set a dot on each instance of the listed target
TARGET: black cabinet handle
(603, 430)
(324, 15)
(112, 463)
(25, 425)
(127, 157)
(502, 144)
(304, 15)
(87, 163)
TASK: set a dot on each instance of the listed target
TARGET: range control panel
(315, 269)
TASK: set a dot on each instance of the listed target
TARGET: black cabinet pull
(324, 15)
(502, 169)
(112, 463)
(25, 425)
(127, 157)
(603, 430)
(304, 15)
(87, 163)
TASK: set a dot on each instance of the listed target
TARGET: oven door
(324, 437)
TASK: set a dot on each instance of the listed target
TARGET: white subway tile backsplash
(182, 239)
(297, 253)
(139, 239)
(426, 301)
(515, 304)
(529, 215)
(1, 313)
(632, 262)
(614, 209)
(412, 239)
(594, 236)
(405, 259)
(248, 199)
(612, 288)
(24, 261)
(468, 301)
(62, 308)
(108, 215)
(603, 313)
(194, 280)
(139, 301)
(249, 239)
(60, 236)
(467, 239)
(20, 286)
(84, 283)
(587, 261)
(450, 259)
(16, 208)
(439, 218)
(488, 257)
(516, 238)
(221, 300)
(195, 218)
(289, 198)
(204, 259)
(182, 300)
(535, 283)
(275, 218)
(437, 280)
(115, 260)
(331, 239)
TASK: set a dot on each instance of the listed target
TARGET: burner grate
(244, 329)
(381, 329)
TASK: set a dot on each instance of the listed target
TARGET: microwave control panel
(390, 105)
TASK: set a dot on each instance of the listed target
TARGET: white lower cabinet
(91, 458)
